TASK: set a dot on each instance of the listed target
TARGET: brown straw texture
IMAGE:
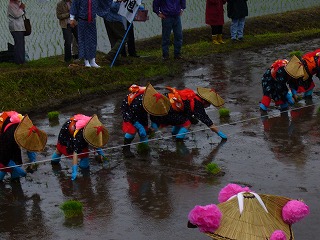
(30, 137)
(154, 102)
(210, 96)
(95, 133)
(254, 223)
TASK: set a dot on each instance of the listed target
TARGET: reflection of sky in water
(46, 39)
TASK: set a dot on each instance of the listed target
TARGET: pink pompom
(14, 117)
(206, 218)
(278, 235)
(81, 120)
(230, 190)
(294, 211)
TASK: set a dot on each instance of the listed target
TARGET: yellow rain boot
(215, 39)
(220, 38)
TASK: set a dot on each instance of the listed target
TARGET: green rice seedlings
(72, 208)
(213, 168)
(54, 115)
(224, 112)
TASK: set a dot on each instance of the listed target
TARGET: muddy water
(149, 197)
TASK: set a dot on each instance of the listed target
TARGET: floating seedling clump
(72, 208)
(213, 168)
(54, 115)
(224, 112)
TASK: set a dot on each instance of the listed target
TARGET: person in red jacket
(215, 18)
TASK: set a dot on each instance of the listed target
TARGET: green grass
(46, 84)
(72, 208)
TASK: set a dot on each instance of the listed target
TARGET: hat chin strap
(241, 201)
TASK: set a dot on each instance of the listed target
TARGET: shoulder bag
(27, 25)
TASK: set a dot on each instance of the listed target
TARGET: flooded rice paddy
(150, 196)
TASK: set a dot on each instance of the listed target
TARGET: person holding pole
(113, 22)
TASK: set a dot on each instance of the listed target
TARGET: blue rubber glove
(142, 132)
(222, 135)
(290, 98)
(100, 152)
(32, 156)
(74, 172)
(182, 133)
(154, 126)
(263, 107)
(294, 92)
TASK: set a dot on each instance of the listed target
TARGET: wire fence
(47, 40)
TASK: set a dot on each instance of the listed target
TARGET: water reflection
(21, 217)
(149, 191)
(94, 195)
(285, 133)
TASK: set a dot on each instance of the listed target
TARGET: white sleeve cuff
(71, 17)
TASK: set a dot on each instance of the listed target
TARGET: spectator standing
(215, 18)
(63, 14)
(16, 10)
(170, 12)
(237, 10)
(84, 11)
(113, 22)
(130, 42)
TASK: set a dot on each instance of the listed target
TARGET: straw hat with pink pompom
(244, 214)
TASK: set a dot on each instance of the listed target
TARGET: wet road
(149, 197)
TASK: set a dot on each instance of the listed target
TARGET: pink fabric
(294, 211)
(230, 190)
(81, 120)
(278, 235)
(206, 218)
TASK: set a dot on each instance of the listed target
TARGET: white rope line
(163, 137)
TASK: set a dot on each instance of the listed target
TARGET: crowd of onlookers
(77, 19)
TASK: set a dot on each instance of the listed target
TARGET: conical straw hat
(95, 133)
(154, 102)
(295, 68)
(211, 96)
(29, 136)
(254, 222)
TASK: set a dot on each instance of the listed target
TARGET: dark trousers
(19, 47)
(116, 32)
(130, 42)
(68, 34)
(216, 29)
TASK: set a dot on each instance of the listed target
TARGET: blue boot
(2, 175)
(175, 130)
(181, 134)
(56, 158)
(17, 172)
(84, 163)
